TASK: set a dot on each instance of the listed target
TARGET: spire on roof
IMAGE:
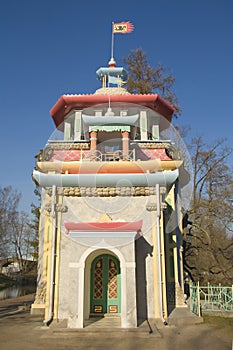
(112, 63)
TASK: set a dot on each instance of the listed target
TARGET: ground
(21, 331)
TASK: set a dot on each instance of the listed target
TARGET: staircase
(105, 321)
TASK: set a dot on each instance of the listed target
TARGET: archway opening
(90, 261)
(105, 285)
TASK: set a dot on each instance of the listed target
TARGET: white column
(80, 296)
(77, 125)
(155, 132)
(128, 297)
(67, 131)
(143, 125)
(76, 295)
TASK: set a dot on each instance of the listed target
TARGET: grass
(220, 322)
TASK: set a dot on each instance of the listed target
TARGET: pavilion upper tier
(67, 103)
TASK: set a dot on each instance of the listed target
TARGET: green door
(105, 285)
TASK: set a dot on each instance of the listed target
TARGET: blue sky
(53, 47)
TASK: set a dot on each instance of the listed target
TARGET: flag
(122, 28)
(115, 80)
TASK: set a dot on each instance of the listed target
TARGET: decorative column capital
(153, 206)
(59, 208)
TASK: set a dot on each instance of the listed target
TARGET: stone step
(102, 326)
(114, 315)
(103, 322)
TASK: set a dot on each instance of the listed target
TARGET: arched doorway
(105, 285)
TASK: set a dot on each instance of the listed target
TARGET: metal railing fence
(210, 298)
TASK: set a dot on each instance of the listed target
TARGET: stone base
(38, 309)
(179, 296)
(183, 316)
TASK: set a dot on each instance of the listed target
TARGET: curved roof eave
(68, 102)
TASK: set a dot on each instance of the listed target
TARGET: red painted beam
(103, 226)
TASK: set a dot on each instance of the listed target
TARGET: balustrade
(98, 156)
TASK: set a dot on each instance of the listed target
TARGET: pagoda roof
(66, 103)
(112, 71)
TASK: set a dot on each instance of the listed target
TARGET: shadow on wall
(170, 244)
(139, 154)
(142, 250)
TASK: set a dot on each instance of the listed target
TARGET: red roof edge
(68, 102)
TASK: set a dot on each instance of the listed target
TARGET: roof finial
(112, 63)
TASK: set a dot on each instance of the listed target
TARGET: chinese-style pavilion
(110, 237)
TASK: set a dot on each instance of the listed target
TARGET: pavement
(19, 330)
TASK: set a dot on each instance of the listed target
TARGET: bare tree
(208, 244)
(21, 237)
(9, 200)
(17, 235)
(34, 224)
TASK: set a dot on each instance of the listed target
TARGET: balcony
(80, 151)
(98, 156)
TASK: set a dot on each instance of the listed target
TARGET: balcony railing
(96, 155)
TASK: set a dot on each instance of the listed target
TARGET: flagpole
(112, 46)
(108, 95)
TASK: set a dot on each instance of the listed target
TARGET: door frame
(103, 305)
(128, 310)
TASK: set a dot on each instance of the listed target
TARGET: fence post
(208, 295)
(191, 295)
(232, 293)
(220, 292)
(198, 299)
